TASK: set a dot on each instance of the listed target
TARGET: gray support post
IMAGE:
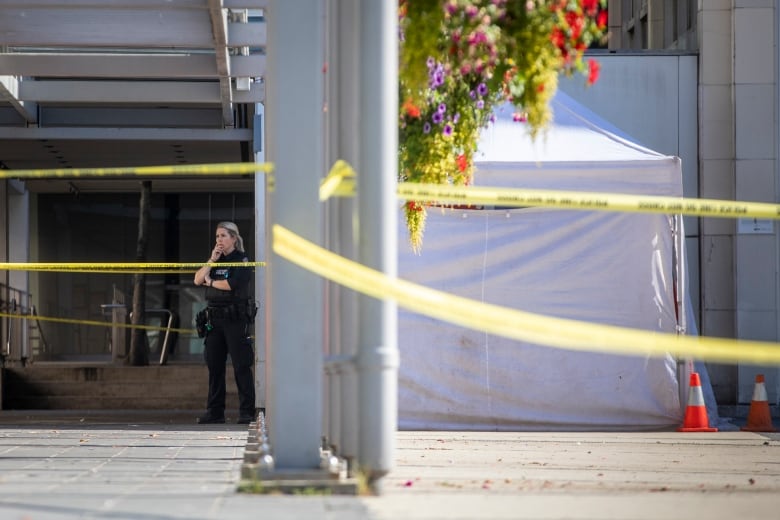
(19, 251)
(4, 275)
(261, 252)
(343, 142)
(294, 127)
(377, 212)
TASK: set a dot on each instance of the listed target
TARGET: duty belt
(226, 312)
(234, 311)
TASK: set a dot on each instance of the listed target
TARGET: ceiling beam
(246, 34)
(74, 65)
(139, 4)
(131, 116)
(127, 134)
(128, 92)
(118, 27)
(218, 17)
(246, 4)
(9, 92)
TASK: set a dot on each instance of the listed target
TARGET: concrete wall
(754, 106)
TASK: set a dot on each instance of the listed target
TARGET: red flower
(593, 71)
(558, 38)
(462, 162)
(413, 206)
(601, 19)
(576, 23)
(590, 6)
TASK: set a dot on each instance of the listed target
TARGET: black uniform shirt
(238, 278)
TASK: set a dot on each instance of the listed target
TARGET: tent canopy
(611, 268)
(578, 152)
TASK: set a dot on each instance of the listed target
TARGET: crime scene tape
(120, 267)
(515, 197)
(514, 324)
(141, 171)
(95, 323)
(340, 181)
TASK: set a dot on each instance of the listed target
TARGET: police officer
(229, 314)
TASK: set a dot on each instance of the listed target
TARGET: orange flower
(411, 109)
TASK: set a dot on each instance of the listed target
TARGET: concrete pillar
(716, 181)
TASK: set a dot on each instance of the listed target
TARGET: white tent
(603, 267)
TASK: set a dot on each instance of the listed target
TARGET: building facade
(736, 44)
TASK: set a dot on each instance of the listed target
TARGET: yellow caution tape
(340, 181)
(96, 323)
(141, 171)
(513, 197)
(514, 324)
(120, 267)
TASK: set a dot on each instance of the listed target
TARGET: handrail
(168, 327)
(14, 301)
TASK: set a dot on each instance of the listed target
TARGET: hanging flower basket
(460, 58)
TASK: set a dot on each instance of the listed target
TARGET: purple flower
(426, 127)
(431, 62)
(480, 104)
(437, 118)
(456, 118)
(482, 89)
(472, 94)
(435, 74)
(447, 130)
(442, 108)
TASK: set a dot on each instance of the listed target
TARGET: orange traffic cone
(696, 413)
(759, 419)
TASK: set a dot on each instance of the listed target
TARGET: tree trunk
(139, 344)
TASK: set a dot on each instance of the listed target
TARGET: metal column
(261, 253)
(378, 221)
(294, 128)
(343, 117)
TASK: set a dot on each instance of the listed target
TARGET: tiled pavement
(162, 466)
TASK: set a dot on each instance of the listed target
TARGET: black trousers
(230, 337)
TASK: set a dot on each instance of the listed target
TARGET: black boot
(210, 418)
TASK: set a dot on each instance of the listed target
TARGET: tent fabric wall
(601, 267)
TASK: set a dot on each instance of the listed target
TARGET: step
(71, 386)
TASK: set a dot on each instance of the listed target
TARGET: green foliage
(459, 59)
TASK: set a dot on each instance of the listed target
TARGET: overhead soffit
(136, 82)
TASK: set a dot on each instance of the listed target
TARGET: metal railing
(168, 338)
(15, 333)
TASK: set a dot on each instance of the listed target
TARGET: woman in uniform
(228, 317)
